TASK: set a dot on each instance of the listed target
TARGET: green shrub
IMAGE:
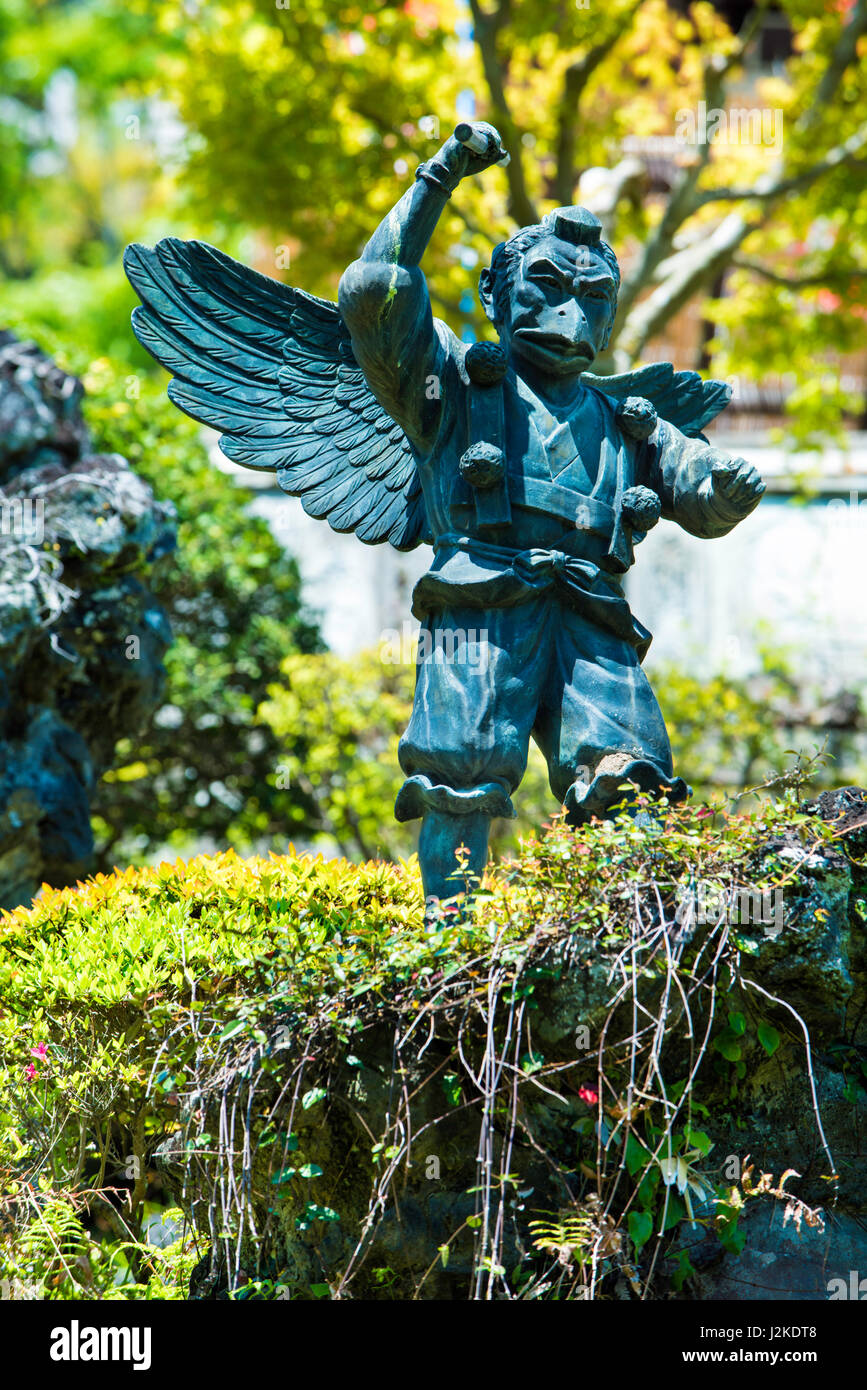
(103, 987)
(731, 732)
(127, 998)
(206, 767)
(340, 720)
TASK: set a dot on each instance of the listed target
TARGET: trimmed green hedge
(122, 997)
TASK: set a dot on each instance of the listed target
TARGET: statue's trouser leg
(599, 724)
(536, 667)
(444, 840)
(478, 678)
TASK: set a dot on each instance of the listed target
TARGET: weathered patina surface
(532, 478)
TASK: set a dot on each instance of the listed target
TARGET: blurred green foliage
(79, 316)
(205, 767)
(345, 718)
(283, 135)
(731, 733)
(727, 733)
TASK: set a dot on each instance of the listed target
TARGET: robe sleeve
(679, 470)
(397, 343)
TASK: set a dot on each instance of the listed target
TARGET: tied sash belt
(472, 573)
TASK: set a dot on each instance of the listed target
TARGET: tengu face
(559, 308)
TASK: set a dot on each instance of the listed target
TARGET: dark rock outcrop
(81, 637)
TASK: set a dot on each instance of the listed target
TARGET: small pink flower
(31, 1071)
(591, 1096)
(40, 1050)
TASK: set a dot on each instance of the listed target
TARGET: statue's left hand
(735, 483)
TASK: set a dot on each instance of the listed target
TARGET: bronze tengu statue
(532, 478)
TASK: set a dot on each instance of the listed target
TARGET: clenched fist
(733, 486)
(474, 147)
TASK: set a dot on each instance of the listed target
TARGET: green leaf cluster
(118, 995)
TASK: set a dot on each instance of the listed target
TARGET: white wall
(796, 573)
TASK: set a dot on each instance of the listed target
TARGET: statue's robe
(525, 627)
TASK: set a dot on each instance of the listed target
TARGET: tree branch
(486, 27)
(688, 271)
(794, 282)
(684, 274)
(575, 79)
(844, 54)
(684, 199)
(770, 187)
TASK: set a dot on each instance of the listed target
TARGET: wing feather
(684, 399)
(272, 369)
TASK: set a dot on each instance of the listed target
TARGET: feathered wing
(684, 399)
(272, 368)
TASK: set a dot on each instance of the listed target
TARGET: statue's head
(551, 291)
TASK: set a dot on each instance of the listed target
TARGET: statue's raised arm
(383, 297)
(273, 368)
